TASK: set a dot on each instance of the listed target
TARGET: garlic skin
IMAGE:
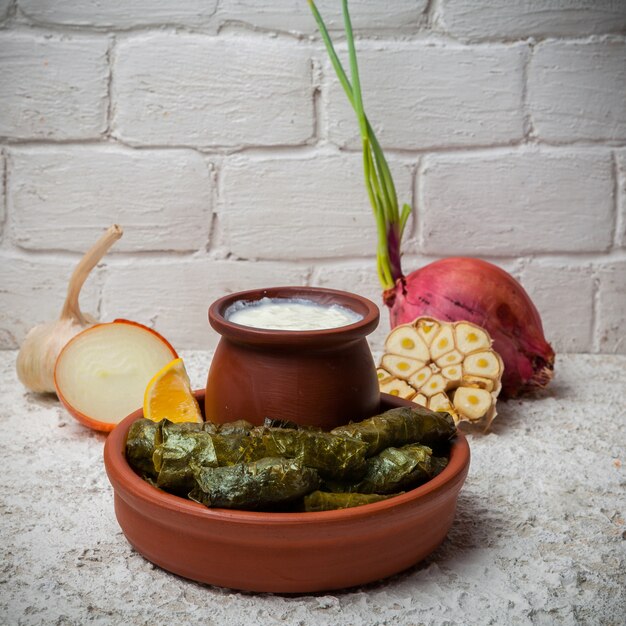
(43, 343)
(40, 349)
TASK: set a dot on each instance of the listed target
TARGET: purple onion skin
(460, 288)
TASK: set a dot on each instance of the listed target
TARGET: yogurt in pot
(290, 314)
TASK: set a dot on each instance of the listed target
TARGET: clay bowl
(313, 377)
(283, 552)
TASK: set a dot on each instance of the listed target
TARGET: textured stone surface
(422, 96)
(52, 87)
(538, 538)
(62, 197)
(517, 202)
(205, 91)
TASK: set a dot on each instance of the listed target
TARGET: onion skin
(460, 288)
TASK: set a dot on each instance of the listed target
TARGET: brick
(33, 291)
(423, 96)
(621, 200)
(577, 91)
(563, 296)
(120, 14)
(52, 87)
(310, 207)
(212, 91)
(483, 19)
(173, 295)
(610, 316)
(62, 197)
(517, 202)
(285, 15)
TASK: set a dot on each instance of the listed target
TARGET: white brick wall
(312, 207)
(60, 196)
(199, 90)
(424, 96)
(528, 200)
(52, 87)
(216, 133)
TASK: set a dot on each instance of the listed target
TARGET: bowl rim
(121, 474)
(353, 301)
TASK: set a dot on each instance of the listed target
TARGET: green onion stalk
(390, 221)
(451, 289)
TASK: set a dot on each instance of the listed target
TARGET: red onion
(458, 288)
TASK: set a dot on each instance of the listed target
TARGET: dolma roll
(143, 437)
(255, 485)
(401, 426)
(177, 456)
(393, 470)
(326, 501)
(333, 456)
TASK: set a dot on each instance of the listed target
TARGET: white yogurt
(290, 314)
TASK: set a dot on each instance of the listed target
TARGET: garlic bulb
(41, 347)
(443, 366)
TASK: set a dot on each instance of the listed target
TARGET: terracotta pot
(284, 552)
(314, 377)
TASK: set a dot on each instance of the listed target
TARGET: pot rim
(355, 302)
(124, 479)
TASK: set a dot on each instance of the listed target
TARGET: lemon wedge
(168, 395)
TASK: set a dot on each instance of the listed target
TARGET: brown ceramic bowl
(312, 377)
(283, 552)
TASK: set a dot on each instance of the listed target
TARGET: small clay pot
(284, 552)
(314, 377)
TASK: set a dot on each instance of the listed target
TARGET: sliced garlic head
(443, 366)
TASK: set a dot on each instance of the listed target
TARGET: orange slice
(168, 395)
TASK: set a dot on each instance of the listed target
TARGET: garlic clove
(405, 341)
(436, 383)
(420, 377)
(470, 338)
(453, 373)
(471, 402)
(401, 365)
(420, 399)
(427, 329)
(396, 387)
(382, 375)
(452, 358)
(484, 364)
(442, 343)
